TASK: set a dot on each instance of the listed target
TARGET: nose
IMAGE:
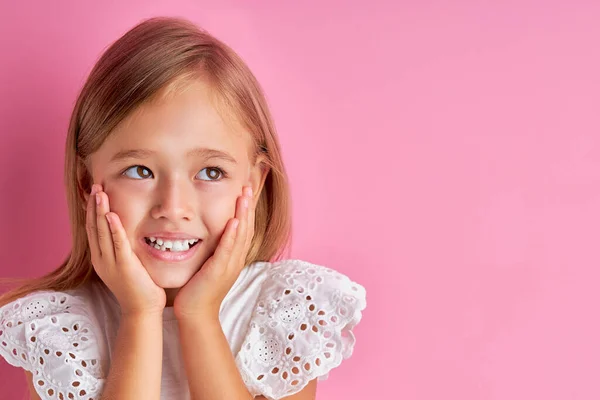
(174, 200)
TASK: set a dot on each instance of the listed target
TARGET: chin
(170, 276)
(170, 281)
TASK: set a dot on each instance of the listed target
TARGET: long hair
(154, 59)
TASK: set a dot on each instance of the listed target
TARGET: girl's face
(175, 166)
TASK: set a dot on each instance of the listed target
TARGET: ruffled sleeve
(52, 335)
(300, 329)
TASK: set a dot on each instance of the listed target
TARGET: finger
(119, 238)
(240, 241)
(90, 227)
(251, 218)
(104, 235)
(223, 252)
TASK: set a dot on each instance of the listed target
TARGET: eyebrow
(198, 152)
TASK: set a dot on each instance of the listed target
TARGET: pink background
(447, 157)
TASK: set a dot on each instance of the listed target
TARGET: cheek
(129, 208)
(217, 210)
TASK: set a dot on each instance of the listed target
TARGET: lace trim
(301, 328)
(49, 335)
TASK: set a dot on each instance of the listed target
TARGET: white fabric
(286, 322)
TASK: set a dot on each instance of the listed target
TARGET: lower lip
(172, 256)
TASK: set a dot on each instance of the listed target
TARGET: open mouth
(173, 246)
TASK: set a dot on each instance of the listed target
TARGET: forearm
(136, 365)
(210, 367)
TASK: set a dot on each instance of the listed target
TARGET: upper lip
(171, 235)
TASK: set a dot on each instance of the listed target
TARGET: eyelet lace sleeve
(51, 335)
(300, 329)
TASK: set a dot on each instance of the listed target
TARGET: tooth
(152, 239)
(173, 245)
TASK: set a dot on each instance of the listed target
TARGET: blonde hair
(154, 59)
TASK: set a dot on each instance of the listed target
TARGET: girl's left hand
(203, 294)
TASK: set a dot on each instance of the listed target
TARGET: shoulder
(300, 273)
(301, 327)
(53, 336)
(299, 276)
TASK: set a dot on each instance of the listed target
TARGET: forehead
(172, 125)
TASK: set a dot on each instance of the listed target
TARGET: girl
(176, 286)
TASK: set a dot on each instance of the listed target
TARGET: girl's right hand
(115, 262)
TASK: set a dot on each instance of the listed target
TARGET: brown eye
(139, 170)
(211, 173)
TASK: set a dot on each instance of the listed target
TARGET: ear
(258, 175)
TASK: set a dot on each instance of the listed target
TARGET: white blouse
(286, 322)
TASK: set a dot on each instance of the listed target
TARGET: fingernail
(98, 199)
(245, 203)
(249, 191)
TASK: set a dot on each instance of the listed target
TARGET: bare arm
(210, 366)
(32, 393)
(136, 366)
